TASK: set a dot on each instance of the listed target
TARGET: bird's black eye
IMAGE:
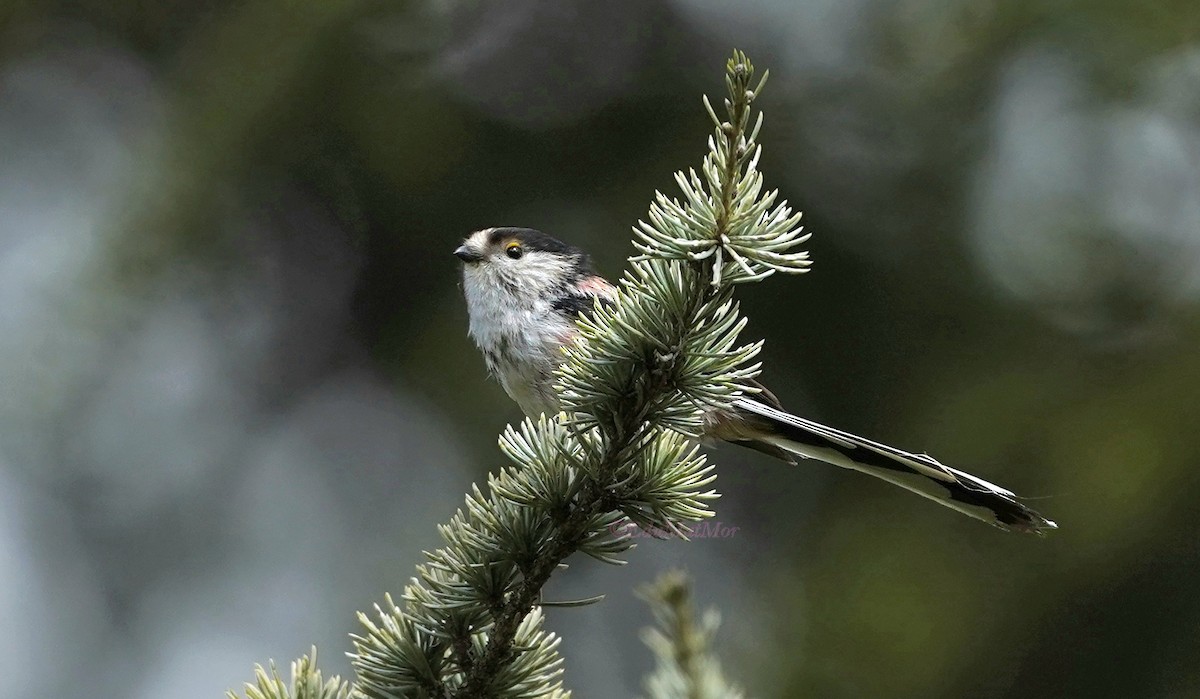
(514, 251)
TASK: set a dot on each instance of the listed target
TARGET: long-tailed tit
(525, 290)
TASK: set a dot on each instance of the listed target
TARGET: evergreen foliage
(306, 683)
(685, 668)
(634, 388)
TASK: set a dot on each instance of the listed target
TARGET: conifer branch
(685, 667)
(306, 683)
(633, 388)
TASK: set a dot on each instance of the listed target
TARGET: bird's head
(518, 265)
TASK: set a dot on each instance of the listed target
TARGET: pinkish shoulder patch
(597, 285)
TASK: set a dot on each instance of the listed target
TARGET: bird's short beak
(467, 254)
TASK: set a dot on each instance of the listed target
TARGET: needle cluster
(634, 389)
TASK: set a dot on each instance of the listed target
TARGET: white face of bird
(505, 267)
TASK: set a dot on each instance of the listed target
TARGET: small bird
(524, 292)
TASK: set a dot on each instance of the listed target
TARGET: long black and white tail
(919, 473)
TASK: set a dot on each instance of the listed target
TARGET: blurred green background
(236, 392)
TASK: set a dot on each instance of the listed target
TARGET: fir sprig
(723, 218)
(305, 683)
(634, 387)
(685, 666)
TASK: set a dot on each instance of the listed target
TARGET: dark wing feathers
(574, 304)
